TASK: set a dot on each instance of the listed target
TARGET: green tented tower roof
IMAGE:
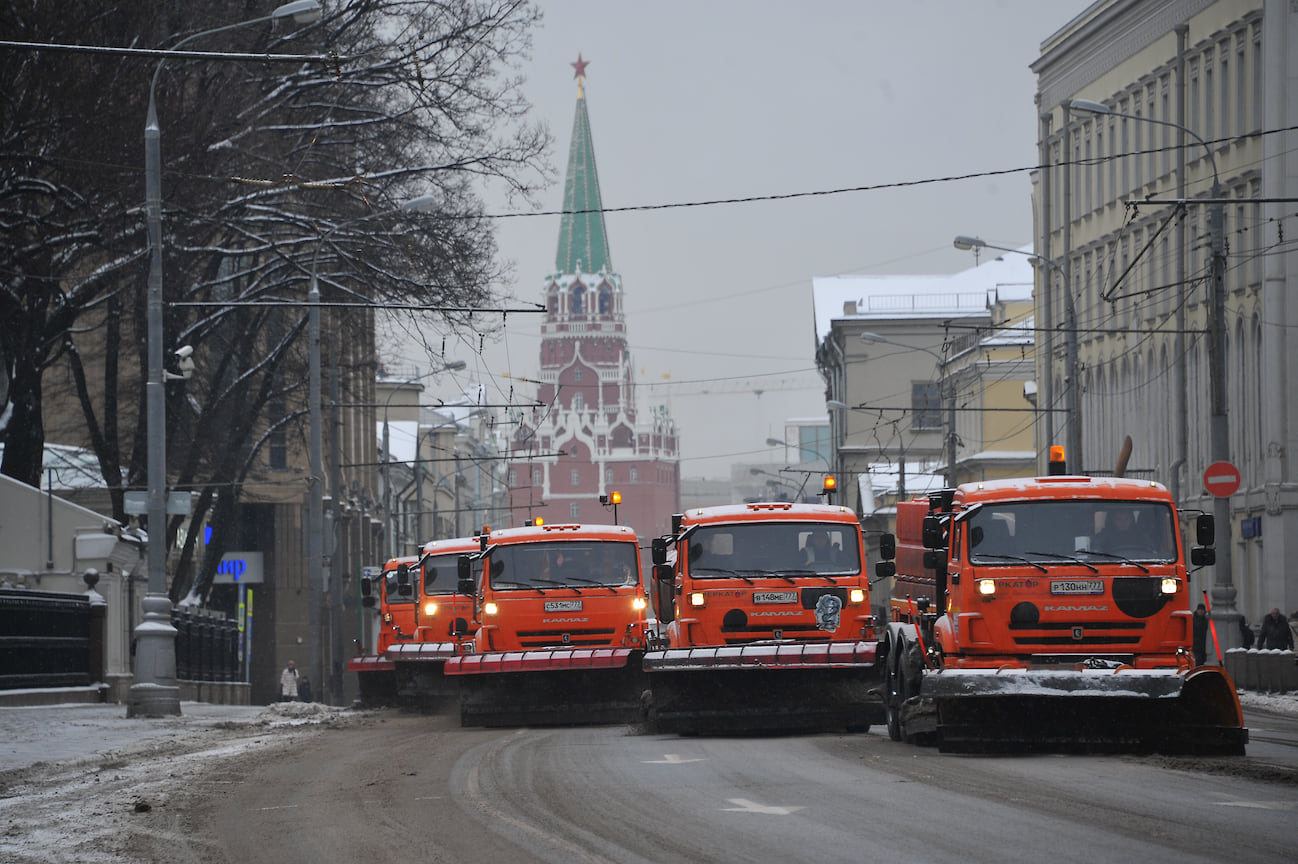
(583, 239)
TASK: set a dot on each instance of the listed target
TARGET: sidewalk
(74, 731)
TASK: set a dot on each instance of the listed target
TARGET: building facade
(1165, 206)
(591, 439)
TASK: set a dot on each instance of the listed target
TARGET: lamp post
(154, 692)
(776, 482)
(941, 362)
(315, 508)
(1223, 589)
(1073, 434)
(453, 366)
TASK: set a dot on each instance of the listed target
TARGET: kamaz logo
(1077, 608)
(562, 620)
(771, 614)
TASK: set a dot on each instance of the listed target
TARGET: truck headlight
(696, 598)
(987, 587)
(490, 608)
(638, 603)
(430, 609)
(857, 595)
(1170, 584)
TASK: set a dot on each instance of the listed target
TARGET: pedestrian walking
(1245, 634)
(288, 683)
(304, 689)
(1275, 632)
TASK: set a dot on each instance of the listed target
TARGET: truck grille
(547, 638)
(1065, 633)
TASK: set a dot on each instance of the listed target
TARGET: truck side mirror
(887, 547)
(1203, 556)
(664, 593)
(935, 560)
(404, 588)
(1205, 529)
(367, 593)
(932, 532)
(659, 547)
(885, 570)
(464, 576)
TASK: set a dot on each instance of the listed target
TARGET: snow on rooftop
(891, 297)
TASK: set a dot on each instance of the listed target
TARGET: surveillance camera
(184, 351)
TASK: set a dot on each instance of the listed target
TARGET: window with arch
(605, 300)
(576, 477)
(552, 304)
(579, 401)
(635, 475)
(577, 306)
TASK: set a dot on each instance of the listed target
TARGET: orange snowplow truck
(1050, 613)
(559, 611)
(767, 621)
(422, 623)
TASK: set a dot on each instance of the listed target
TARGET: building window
(574, 512)
(578, 402)
(576, 477)
(813, 444)
(608, 475)
(925, 405)
(605, 301)
(576, 374)
(536, 476)
(635, 475)
(513, 477)
(578, 300)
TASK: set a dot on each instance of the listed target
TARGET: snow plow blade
(420, 680)
(549, 687)
(1084, 709)
(764, 687)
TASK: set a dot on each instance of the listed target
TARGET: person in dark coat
(304, 689)
(1200, 647)
(1245, 634)
(1275, 632)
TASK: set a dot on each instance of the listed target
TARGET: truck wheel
(892, 695)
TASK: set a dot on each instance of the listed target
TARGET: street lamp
(1073, 436)
(315, 509)
(941, 362)
(1223, 589)
(154, 692)
(452, 366)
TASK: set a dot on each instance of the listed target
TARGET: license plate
(775, 596)
(1077, 586)
(562, 605)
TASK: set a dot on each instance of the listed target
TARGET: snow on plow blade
(1124, 709)
(549, 687)
(764, 687)
(421, 651)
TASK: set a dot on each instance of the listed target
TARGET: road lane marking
(743, 805)
(668, 759)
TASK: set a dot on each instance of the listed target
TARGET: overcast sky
(697, 101)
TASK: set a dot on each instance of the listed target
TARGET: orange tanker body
(1051, 613)
(559, 611)
(768, 626)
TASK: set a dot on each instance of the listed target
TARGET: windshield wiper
(722, 570)
(1123, 558)
(1008, 558)
(1062, 557)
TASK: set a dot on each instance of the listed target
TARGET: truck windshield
(565, 564)
(1091, 530)
(440, 573)
(787, 549)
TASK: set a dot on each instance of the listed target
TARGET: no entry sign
(1221, 479)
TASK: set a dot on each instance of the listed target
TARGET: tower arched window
(605, 300)
(578, 300)
(552, 304)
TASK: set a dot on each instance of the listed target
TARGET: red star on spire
(580, 66)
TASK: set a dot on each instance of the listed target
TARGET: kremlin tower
(591, 440)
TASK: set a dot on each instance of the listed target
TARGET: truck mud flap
(551, 687)
(1086, 710)
(764, 688)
